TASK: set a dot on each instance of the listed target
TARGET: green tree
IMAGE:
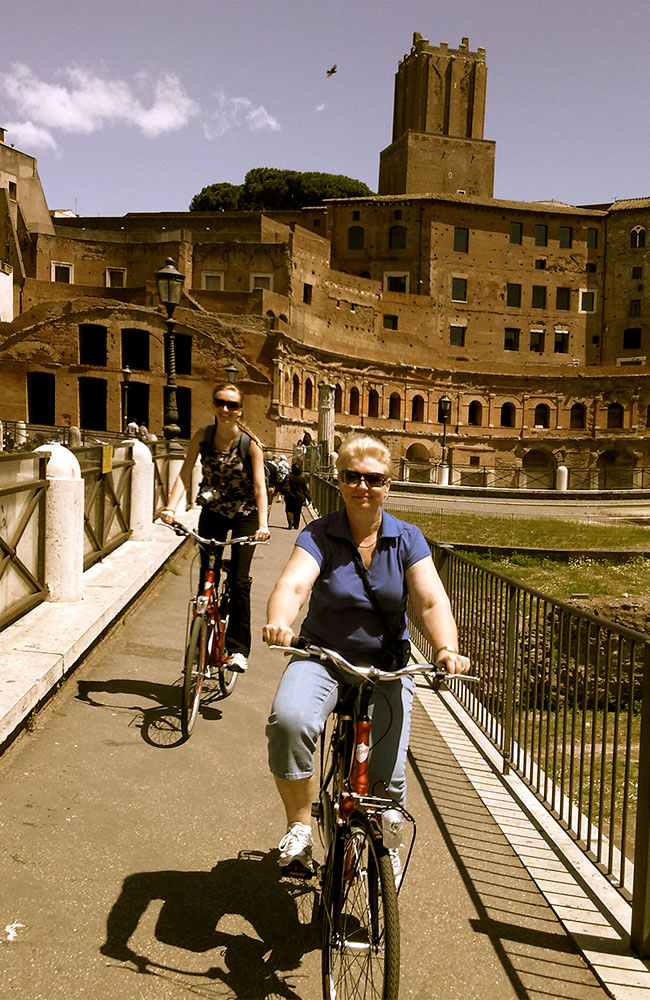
(269, 189)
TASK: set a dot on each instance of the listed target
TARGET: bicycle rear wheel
(193, 674)
(360, 956)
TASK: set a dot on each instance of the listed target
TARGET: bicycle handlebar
(181, 529)
(302, 647)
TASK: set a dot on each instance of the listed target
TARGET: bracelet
(448, 649)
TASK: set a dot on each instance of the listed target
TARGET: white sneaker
(296, 845)
(238, 663)
(393, 854)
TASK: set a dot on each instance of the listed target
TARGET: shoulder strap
(366, 582)
(208, 436)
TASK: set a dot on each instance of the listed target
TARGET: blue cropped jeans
(307, 694)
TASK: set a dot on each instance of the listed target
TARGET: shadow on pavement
(275, 923)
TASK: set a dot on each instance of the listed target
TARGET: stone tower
(438, 145)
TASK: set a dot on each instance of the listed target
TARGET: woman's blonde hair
(358, 445)
(242, 426)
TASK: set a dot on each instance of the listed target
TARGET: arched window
(295, 396)
(338, 399)
(507, 415)
(475, 414)
(356, 236)
(394, 406)
(577, 419)
(417, 409)
(373, 403)
(309, 394)
(542, 415)
(354, 401)
(397, 238)
(614, 415)
(637, 237)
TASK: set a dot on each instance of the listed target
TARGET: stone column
(325, 423)
(64, 525)
(142, 493)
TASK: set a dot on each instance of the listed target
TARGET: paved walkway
(116, 835)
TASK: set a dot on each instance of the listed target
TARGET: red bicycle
(206, 655)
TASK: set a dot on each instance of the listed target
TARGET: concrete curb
(37, 651)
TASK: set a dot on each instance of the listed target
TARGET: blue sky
(133, 105)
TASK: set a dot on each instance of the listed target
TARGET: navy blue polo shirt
(341, 615)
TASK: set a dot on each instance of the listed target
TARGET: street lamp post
(126, 378)
(444, 406)
(170, 288)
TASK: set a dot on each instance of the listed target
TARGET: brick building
(529, 317)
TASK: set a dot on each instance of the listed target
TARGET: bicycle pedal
(296, 869)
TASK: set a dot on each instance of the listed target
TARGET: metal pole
(640, 927)
(171, 429)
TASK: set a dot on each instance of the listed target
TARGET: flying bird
(332, 70)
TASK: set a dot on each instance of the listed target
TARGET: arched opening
(539, 470)
(397, 238)
(542, 415)
(338, 399)
(578, 416)
(637, 237)
(417, 409)
(295, 394)
(394, 406)
(354, 401)
(309, 394)
(373, 403)
(418, 467)
(508, 415)
(475, 414)
(273, 323)
(614, 415)
(615, 470)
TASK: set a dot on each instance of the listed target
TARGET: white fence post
(173, 468)
(64, 525)
(142, 491)
(195, 482)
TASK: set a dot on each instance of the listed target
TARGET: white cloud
(86, 102)
(26, 135)
(230, 112)
(321, 107)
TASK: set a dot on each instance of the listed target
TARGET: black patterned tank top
(227, 483)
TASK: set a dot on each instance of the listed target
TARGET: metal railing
(106, 472)
(22, 534)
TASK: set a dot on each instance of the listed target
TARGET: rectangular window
(632, 339)
(264, 281)
(635, 307)
(316, 223)
(590, 267)
(212, 281)
(513, 295)
(61, 272)
(396, 281)
(539, 296)
(511, 339)
(40, 397)
(566, 237)
(541, 235)
(637, 272)
(516, 230)
(457, 336)
(461, 240)
(587, 301)
(592, 238)
(116, 277)
(92, 345)
(563, 298)
(390, 322)
(183, 353)
(459, 290)
(135, 350)
(537, 341)
(540, 264)
(307, 293)
(561, 344)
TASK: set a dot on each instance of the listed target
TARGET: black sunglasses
(230, 404)
(350, 477)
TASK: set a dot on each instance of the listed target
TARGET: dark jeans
(212, 525)
(293, 506)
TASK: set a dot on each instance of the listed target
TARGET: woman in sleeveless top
(233, 498)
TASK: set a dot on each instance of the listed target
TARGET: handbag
(396, 652)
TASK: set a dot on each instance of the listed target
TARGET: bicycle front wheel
(227, 677)
(360, 920)
(193, 674)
